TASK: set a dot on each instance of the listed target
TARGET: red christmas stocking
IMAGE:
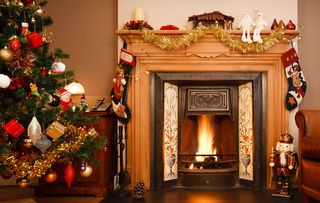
(296, 81)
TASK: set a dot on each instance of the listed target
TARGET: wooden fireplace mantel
(134, 38)
(208, 54)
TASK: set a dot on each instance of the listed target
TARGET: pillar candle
(138, 14)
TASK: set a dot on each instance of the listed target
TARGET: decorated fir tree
(38, 126)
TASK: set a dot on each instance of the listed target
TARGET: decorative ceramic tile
(245, 132)
(170, 137)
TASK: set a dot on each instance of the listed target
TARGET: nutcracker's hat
(286, 138)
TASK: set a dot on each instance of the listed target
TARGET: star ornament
(291, 101)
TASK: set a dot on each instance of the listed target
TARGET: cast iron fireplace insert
(218, 169)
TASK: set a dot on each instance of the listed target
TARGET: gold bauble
(51, 177)
(87, 172)
(6, 55)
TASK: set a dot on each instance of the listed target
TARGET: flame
(191, 166)
(205, 136)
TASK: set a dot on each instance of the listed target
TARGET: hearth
(197, 118)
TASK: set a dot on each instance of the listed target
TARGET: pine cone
(139, 190)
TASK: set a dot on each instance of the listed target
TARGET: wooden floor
(176, 195)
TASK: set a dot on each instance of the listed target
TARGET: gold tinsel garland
(31, 169)
(171, 44)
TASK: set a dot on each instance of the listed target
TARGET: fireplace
(208, 55)
(196, 118)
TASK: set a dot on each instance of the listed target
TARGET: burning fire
(205, 137)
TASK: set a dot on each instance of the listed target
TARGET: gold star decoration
(292, 101)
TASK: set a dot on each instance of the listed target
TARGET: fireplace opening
(207, 144)
(208, 153)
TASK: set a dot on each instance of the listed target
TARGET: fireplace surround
(206, 55)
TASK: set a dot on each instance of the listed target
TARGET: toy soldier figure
(283, 161)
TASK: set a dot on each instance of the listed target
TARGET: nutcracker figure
(283, 164)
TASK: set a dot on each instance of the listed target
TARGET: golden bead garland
(35, 167)
(171, 44)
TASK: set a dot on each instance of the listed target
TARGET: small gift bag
(14, 128)
(55, 130)
(35, 40)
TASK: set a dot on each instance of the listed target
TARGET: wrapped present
(35, 40)
(14, 128)
(55, 130)
(92, 131)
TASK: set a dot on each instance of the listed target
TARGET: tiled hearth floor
(15, 195)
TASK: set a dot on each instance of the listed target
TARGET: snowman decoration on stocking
(297, 85)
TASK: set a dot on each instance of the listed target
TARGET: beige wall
(86, 30)
(176, 12)
(309, 51)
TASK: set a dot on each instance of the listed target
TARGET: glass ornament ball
(51, 177)
(87, 172)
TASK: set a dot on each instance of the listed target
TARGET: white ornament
(4, 81)
(246, 24)
(58, 67)
(34, 130)
(260, 24)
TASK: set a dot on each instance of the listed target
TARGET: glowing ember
(205, 136)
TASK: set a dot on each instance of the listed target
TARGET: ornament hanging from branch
(6, 55)
(4, 81)
(51, 176)
(65, 99)
(87, 172)
(58, 67)
(69, 174)
(34, 130)
(14, 44)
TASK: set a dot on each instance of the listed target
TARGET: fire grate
(211, 163)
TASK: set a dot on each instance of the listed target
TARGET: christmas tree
(38, 126)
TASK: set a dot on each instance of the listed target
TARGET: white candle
(138, 14)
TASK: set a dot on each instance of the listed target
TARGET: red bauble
(105, 149)
(14, 44)
(69, 174)
(27, 2)
(43, 71)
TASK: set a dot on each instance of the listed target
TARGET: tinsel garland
(171, 44)
(36, 167)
